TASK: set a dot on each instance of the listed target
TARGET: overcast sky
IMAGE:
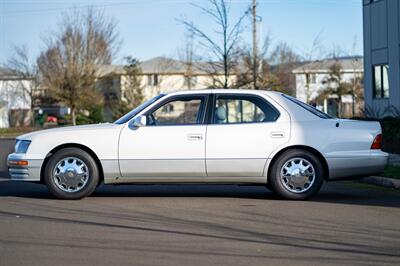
(150, 28)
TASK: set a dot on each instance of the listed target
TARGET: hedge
(390, 132)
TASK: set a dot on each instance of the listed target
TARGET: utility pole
(255, 48)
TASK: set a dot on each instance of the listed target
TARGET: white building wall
(174, 82)
(315, 89)
(14, 95)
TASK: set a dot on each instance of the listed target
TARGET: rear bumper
(358, 166)
(21, 168)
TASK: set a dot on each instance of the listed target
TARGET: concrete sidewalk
(394, 159)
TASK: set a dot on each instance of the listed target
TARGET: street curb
(382, 181)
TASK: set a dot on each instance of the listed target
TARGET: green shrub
(391, 127)
(390, 132)
(95, 116)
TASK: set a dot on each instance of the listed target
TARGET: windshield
(137, 110)
(308, 107)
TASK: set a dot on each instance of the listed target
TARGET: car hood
(70, 129)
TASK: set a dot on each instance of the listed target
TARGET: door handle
(195, 136)
(277, 134)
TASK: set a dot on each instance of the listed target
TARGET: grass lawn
(392, 172)
(14, 132)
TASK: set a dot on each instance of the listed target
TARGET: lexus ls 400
(204, 136)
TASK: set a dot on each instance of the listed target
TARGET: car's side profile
(204, 136)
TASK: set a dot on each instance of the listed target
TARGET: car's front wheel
(296, 174)
(71, 173)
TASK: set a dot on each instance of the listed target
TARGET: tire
(296, 175)
(269, 187)
(71, 173)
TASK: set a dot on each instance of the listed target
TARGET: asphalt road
(346, 224)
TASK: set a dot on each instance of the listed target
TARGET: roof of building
(160, 65)
(7, 73)
(348, 64)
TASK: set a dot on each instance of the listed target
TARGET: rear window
(308, 107)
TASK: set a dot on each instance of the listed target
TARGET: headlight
(21, 146)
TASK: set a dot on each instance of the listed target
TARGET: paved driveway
(346, 224)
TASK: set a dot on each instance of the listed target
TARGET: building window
(381, 81)
(311, 78)
(155, 80)
(152, 80)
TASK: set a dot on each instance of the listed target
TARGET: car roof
(232, 91)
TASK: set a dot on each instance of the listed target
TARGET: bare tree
(283, 59)
(187, 56)
(357, 92)
(275, 68)
(84, 40)
(27, 71)
(223, 52)
(255, 72)
(354, 85)
(315, 51)
(335, 85)
(132, 93)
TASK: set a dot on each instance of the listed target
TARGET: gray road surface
(347, 224)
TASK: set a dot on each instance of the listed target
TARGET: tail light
(377, 143)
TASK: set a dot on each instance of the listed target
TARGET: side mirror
(139, 121)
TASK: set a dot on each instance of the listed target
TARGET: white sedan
(205, 136)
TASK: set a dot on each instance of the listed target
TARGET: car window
(243, 109)
(180, 111)
(138, 109)
(308, 107)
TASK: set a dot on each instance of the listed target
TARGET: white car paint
(162, 151)
(210, 153)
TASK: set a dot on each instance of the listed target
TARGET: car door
(172, 144)
(244, 130)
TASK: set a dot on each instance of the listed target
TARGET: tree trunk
(307, 88)
(226, 74)
(31, 116)
(73, 116)
(353, 105)
(31, 113)
(32, 97)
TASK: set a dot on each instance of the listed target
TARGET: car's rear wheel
(296, 174)
(71, 173)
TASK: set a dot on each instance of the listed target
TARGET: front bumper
(21, 168)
